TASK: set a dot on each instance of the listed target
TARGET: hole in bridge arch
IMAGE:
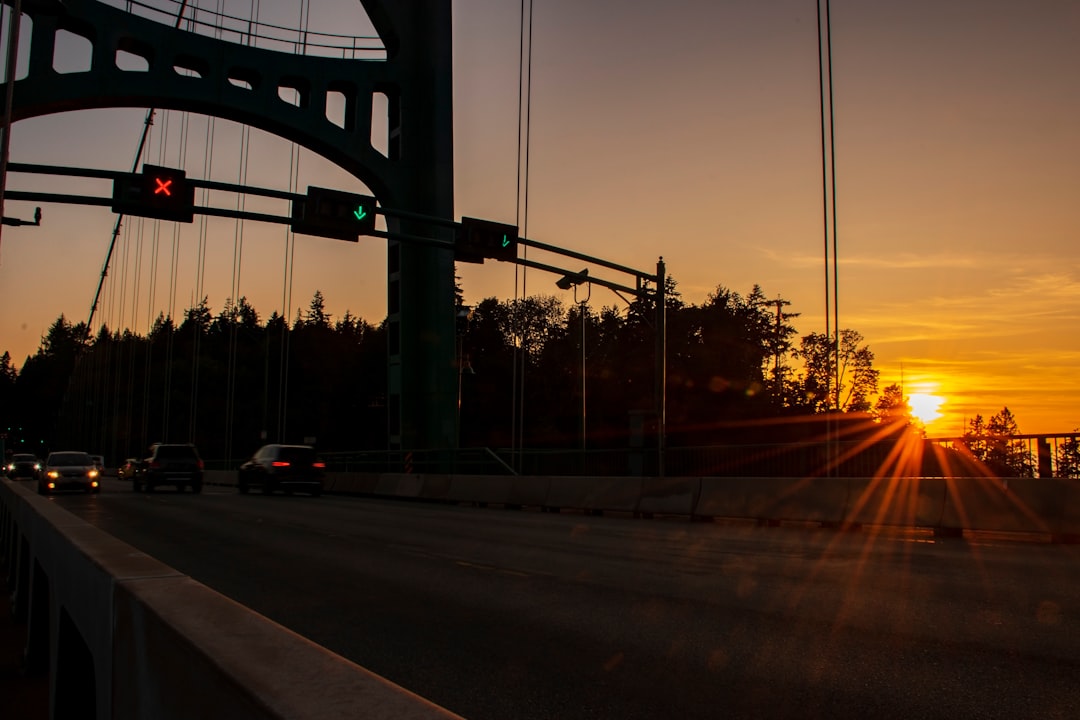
(188, 66)
(73, 53)
(336, 110)
(289, 95)
(26, 31)
(380, 126)
(295, 91)
(244, 78)
(130, 62)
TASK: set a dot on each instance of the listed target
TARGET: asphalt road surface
(498, 614)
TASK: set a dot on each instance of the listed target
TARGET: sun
(925, 407)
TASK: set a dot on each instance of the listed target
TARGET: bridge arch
(242, 83)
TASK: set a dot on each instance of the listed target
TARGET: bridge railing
(124, 636)
(907, 456)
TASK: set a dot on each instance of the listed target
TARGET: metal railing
(246, 31)
(908, 456)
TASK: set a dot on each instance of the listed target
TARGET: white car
(69, 470)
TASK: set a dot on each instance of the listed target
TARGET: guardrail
(1049, 506)
(124, 636)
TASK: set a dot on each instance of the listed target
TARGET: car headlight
(37, 466)
(54, 474)
(92, 474)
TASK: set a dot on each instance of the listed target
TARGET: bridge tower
(241, 83)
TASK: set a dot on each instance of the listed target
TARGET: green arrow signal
(360, 212)
(505, 241)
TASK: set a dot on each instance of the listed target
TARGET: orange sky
(688, 130)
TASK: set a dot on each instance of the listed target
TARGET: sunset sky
(688, 130)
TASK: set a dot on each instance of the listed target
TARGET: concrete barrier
(804, 499)
(492, 489)
(618, 494)
(435, 487)
(126, 637)
(399, 485)
(529, 490)
(220, 477)
(670, 496)
(1067, 526)
(352, 483)
(904, 502)
(1034, 505)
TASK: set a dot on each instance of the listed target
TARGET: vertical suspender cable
(824, 187)
(200, 259)
(172, 327)
(287, 279)
(238, 257)
(524, 118)
(832, 175)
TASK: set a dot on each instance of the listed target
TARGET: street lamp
(574, 280)
(464, 314)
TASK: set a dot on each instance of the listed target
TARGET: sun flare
(925, 407)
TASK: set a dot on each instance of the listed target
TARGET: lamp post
(464, 313)
(575, 280)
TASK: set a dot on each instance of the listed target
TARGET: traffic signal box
(334, 214)
(157, 192)
(479, 239)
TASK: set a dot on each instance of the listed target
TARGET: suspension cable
(287, 280)
(200, 263)
(517, 408)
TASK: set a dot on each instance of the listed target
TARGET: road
(499, 614)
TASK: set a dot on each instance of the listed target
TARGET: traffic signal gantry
(167, 194)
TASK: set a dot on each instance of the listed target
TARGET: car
(69, 470)
(170, 464)
(128, 469)
(282, 467)
(23, 465)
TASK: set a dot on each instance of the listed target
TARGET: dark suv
(283, 467)
(178, 465)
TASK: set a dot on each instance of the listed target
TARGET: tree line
(737, 372)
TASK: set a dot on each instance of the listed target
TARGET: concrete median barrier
(1034, 505)
(615, 494)
(351, 483)
(774, 499)
(1067, 526)
(492, 489)
(399, 485)
(670, 496)
(529, 490)
(435, 487)
(220, 477)
(905, 502)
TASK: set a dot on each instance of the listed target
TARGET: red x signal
(162, 186)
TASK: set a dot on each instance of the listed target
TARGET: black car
(178, 465)
(24, 465)
(283, 467)
(69, 470)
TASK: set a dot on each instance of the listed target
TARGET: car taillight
(200, 465)
(280, 463)
(320, 465)
(155, 464)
